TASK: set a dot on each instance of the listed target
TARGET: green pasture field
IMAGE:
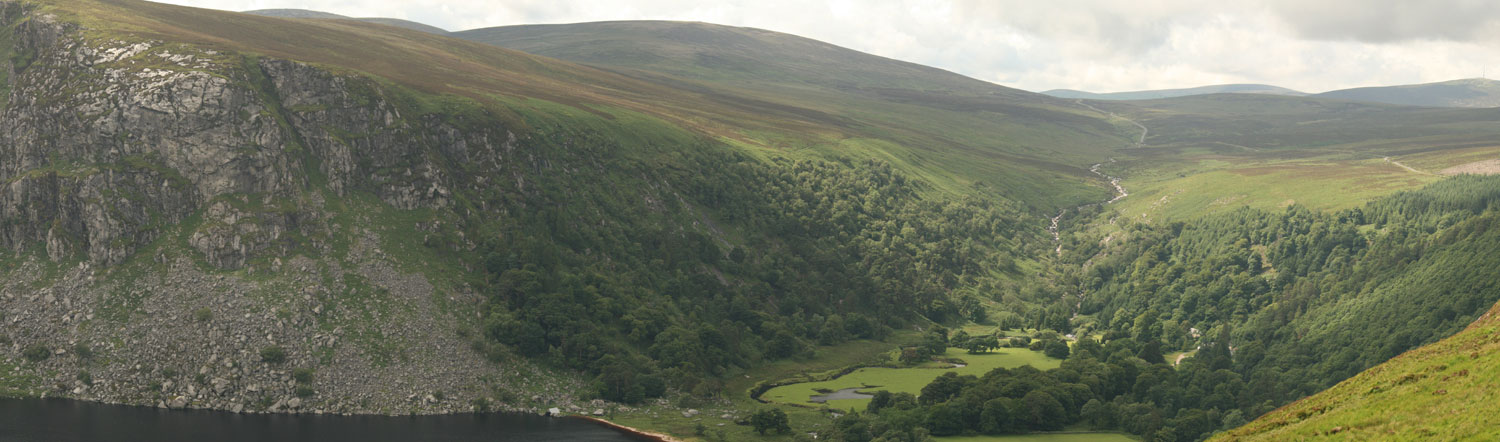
(906, 380)
(1199, 181)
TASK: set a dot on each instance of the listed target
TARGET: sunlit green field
(1213, 184)
(1214, 153)
(1178, 184)
(908, 380)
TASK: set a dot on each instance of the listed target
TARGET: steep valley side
(191, 226)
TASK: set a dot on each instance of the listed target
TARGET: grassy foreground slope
(1449, 390)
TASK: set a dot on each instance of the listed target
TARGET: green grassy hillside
(1212, 153)
(954, 130)
(1442, 391)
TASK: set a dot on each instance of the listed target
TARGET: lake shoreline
(283, 411)
(66, 420)
(646, 435)
(632, 431)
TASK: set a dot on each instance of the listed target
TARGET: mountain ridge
(1461, 93)
(1037, 139)
(1172, 93)
(1468, 92)
(312, 14)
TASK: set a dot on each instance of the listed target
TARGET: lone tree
(770, 419)
(1056, 349)
(982, 344)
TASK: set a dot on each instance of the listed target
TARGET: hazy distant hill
(304, 13)
(1009, 137)
(718, 53)
(1171, 93)
(1471, 92)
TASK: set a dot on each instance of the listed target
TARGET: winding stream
(1120, 193)
(1113, 181)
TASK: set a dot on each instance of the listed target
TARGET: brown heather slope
(422, 61)
(960, 134)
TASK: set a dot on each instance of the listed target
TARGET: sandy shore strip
(645, 435)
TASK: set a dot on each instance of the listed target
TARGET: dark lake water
(61, 420)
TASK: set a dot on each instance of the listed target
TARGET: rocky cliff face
(165, 219)
(104, 142)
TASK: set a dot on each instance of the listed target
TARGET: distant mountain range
(304, 13)
(1471, 92)
(1173, 93)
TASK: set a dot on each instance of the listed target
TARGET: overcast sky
(1094, 45)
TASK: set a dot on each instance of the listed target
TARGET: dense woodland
(657, 279)
(1284, 304)
(675, 279)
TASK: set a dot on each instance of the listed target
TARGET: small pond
(847, 393)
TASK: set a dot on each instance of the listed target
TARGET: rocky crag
(194, 228)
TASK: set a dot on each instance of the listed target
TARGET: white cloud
(1097, 45)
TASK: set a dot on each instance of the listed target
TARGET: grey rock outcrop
(104, 146)
(210, 175)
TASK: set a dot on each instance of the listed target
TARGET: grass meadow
(907, 380)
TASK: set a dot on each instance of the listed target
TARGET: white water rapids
(1120, 193)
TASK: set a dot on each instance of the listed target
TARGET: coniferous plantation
(691, 231)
